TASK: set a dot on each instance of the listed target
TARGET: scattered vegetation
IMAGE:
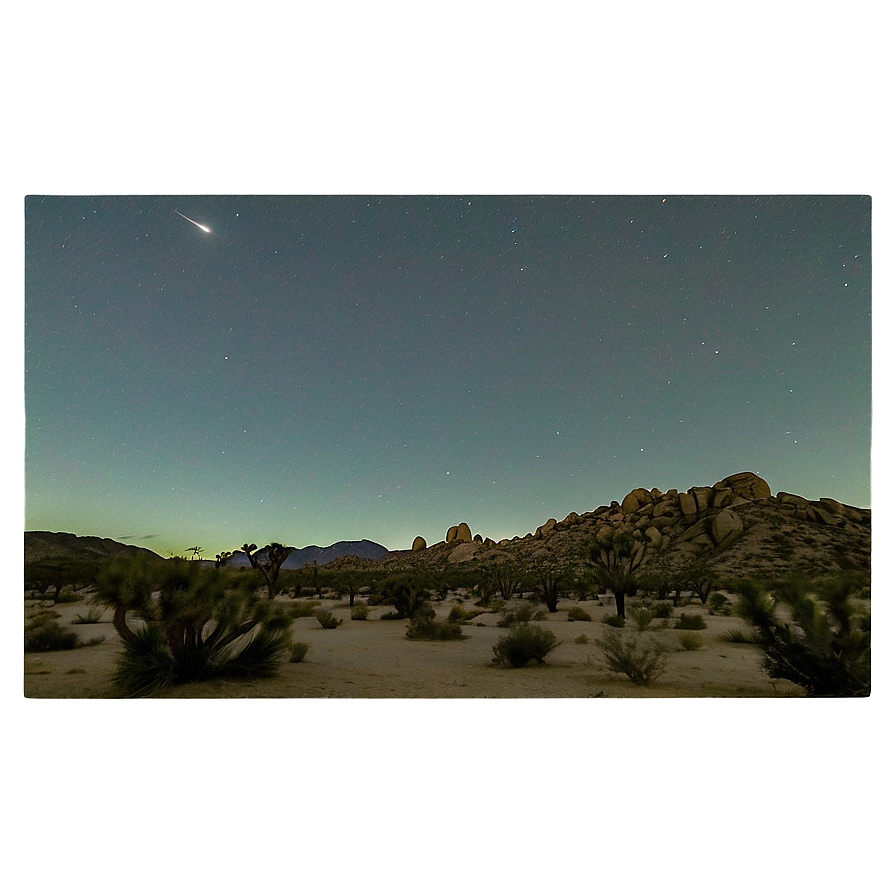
(690, 622)
(662, 609)
(717, 604)
(524, 642)
(425, 627)
(44, 634)
(614, 621)
(578, 614)
(643, 660)
(582, 639)
(522, 613)
(360, 611)
(690, 640)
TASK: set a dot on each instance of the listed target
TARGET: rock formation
(419, 544)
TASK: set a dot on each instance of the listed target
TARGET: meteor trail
(200, 226)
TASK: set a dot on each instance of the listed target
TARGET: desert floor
(373, 658)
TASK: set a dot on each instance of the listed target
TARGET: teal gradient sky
(325, 368)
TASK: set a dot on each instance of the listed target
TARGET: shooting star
(200, 226)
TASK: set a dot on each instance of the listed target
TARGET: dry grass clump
(641, 659)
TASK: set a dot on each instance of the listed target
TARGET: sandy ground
(374, 659)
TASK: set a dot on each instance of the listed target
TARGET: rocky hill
(45, 545)
(737, 527)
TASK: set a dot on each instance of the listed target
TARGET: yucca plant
(197, 623)
(824, 645)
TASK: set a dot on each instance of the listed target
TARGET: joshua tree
(504, 579)
(268, 562)
(616, 555)
(548, 588)
(198, 623)
(700, 578)
(826, 644)
(196, 551)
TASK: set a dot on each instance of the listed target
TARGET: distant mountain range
(366, 550)
(43, 545)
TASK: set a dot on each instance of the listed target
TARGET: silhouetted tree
(268, 562)
(616, 555)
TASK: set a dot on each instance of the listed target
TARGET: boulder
(747, 485)
(464, 551)
(452, 535)
(831, 505)
(572, 518)
(722, 497)
(795, 500)
(464, 534)
(688, 503)
(419, 544)
(703, 496)
(635, 499)
(477, 539)
(726, 525)
(654, 535)
(695, 531)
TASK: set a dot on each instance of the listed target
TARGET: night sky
(319, 368)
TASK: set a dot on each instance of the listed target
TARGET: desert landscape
(374, 658)
(685, 551)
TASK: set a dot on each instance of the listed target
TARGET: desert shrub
(615, 621)
(717, 603)
(825, 646)
(360, 611)
(406, 594)
(297, 651)
(93, 615)
(690, 640)
(523, 643)
(203, 623)
(662, 609)
(577, 614)
(523, 613)
(642, 617)
(641, 659)
(458, 614)
(691, 622)
(302, 608)
(539, 616)
(425, 627)
(326, 618)
(67, 597)
(43, 634)
(738, 636)
(582, 639)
